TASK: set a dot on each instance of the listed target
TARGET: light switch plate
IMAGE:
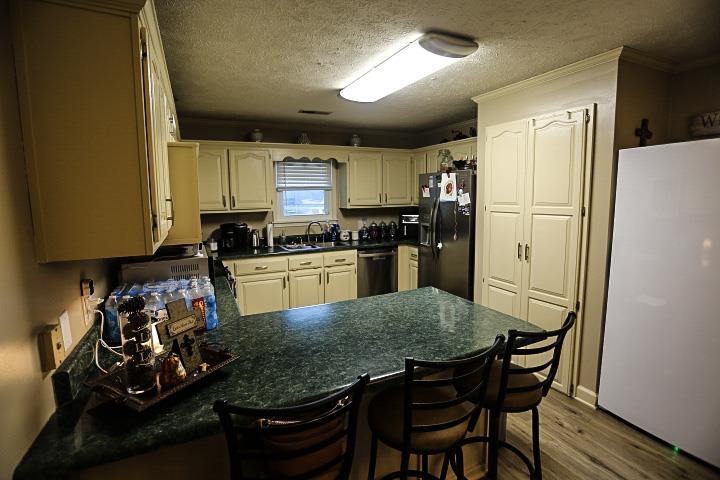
(65, 328)
(52, 351)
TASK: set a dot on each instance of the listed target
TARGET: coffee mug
(355, 235)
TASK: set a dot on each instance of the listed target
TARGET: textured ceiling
(264, 60)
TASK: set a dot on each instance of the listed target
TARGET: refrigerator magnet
(448, 193)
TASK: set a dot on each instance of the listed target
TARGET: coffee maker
(234, 237)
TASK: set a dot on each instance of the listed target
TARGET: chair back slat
(526, 344)
(298, 443)
(431, 400)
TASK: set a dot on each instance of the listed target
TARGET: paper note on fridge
(426, 191)
(448, 192)
(464, 199)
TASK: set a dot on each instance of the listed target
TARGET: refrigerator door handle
(433, 227)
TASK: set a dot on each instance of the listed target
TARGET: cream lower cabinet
(534, 178)
(306, 280)
(340, 275)
(235, 179)
(407, 267)
(262, 284)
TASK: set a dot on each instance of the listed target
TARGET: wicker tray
(111, 384)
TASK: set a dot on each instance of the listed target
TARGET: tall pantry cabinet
(534, 178)
(96, 110)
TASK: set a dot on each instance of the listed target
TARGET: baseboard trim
(586, 396)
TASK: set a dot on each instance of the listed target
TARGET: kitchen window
(304, 191)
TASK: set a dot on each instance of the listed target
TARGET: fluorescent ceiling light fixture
(424, 56)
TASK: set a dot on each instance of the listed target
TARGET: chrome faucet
(307, 230)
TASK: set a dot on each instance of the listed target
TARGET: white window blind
(293, 175)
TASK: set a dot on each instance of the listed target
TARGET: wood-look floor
(584, 444)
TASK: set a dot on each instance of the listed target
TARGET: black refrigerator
(447, 231)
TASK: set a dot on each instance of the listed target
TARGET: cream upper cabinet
(183, 163)
(213, 181)
(364, 180)
(94, 101)
(250, 179)
(235, 179)
(458, 149)
(419, 166)
(397, 178)
(376, 179)
(534, 174)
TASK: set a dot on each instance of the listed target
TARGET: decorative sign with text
(705, 124)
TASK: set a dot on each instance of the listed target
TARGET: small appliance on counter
(234, 237)
(409, 227)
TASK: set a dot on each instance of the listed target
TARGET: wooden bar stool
(514, 388)
(425, 415)
(311, 441)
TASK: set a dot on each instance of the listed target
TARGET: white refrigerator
(660, 366)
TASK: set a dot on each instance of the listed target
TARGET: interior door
(556, 153)
(505, 157)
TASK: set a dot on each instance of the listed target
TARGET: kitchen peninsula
(284, 358)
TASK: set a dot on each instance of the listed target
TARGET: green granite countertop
(323, 247)
(285, 357)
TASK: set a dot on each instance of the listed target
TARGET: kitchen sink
(299, 246)
(311, 246)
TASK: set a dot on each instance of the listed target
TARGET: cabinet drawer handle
(233, 201)
(224, 203)
(519, 251)
(262, 267)
(527, 252)
(305, 263)
(340, 259)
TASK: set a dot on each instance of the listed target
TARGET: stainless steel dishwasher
(377, 271)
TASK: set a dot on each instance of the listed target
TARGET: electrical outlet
(87, 288)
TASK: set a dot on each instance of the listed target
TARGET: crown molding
(621, 53)
(697, 64)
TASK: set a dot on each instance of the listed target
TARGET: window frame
(330, 198)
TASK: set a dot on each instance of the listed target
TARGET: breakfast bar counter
(285, 358)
